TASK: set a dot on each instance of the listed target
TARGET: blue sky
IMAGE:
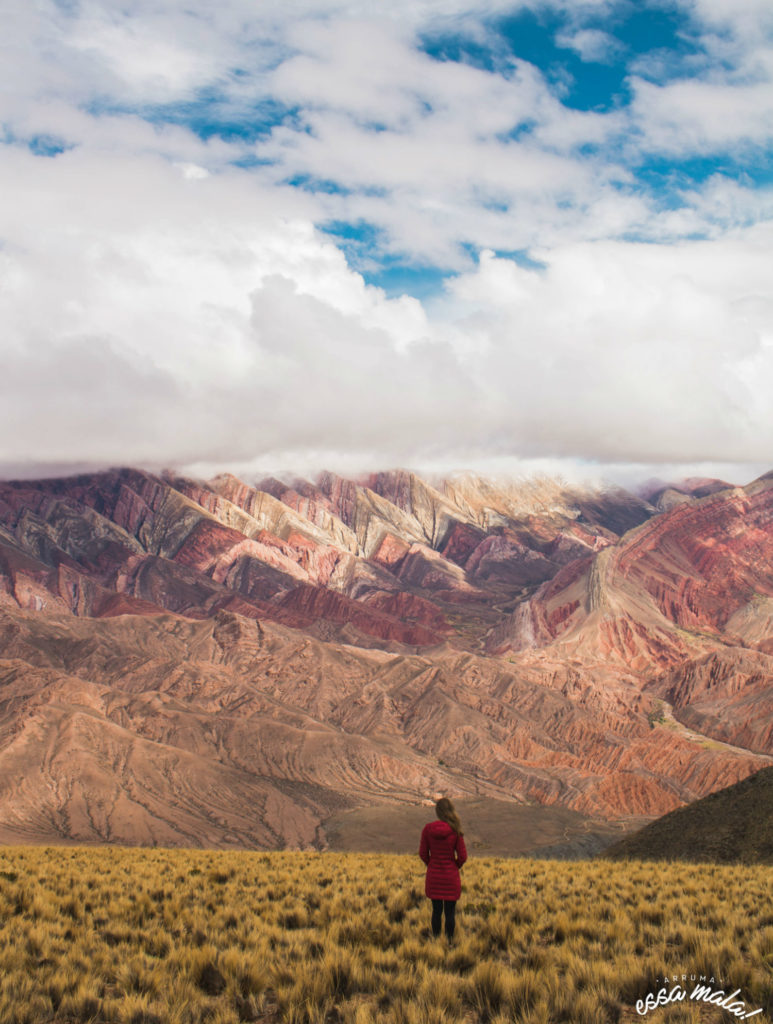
(420, 233)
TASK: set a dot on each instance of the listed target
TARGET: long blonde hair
(445, 810)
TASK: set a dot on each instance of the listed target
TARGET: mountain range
(223, 663)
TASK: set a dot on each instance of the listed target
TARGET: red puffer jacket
(443, 851)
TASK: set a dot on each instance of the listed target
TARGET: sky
(495, 236)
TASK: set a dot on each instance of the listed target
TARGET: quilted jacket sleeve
(461, 851)
(424, 846)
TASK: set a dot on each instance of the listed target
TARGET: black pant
(438, 907)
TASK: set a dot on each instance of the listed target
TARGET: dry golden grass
(144, 936)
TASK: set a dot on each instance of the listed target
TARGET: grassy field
(156, 936)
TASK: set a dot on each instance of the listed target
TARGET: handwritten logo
(701, 993)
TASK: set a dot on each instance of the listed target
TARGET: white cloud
(438, 153)
(150, 317)
(435, 153)
(723, 102)
(749, 18)
(441, 171)
(592, 44)
(160, 305)
(145, 57)
(699, 117)
(637, 350)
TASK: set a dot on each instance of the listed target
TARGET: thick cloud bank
(168, 295)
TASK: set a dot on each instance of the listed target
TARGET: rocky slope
(683, 604)
(734, 825)
(222, 663)
(225, 730)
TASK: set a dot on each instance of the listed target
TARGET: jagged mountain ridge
(297, 553)
(279, 589)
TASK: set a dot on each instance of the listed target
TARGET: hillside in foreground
(733, 825)
(131, 936)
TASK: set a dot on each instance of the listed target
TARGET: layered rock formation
(683, 604)
(226, 664)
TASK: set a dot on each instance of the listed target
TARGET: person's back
(443, 851)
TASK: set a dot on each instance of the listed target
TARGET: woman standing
(443, 851)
